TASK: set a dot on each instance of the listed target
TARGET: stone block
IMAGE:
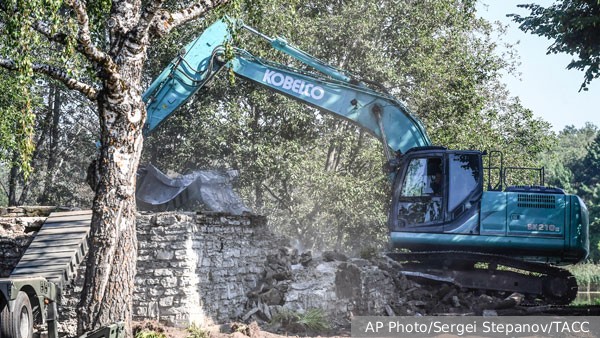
(165, 254)
(162, 272)
(165, 301)
(169, 282)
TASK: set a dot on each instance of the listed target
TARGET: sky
(544, 85)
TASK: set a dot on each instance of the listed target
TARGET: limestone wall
(192, 267)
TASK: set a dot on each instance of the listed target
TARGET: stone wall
(199, 267)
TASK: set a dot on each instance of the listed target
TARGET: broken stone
(389, 311)
(330, 256)
(249, 313)
(264, 311)
(455, 301)
(347, 281)
(490, 313)
(271, 297)
(416, 303)
(305, 258)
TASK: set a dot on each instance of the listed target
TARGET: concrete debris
(330, 256)
(343, 287)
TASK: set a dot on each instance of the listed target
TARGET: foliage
(587, 274)
(194, 331)
(145, 333)
(19, 44)
(573, 25)
(566, 155)
(65, 132)
(572, 164)
(313, 319)
(16, 122)
(587, 177)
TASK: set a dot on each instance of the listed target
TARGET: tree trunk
(56, 102)
(13, 180)
(111, 266)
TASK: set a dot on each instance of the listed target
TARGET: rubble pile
(343, 287)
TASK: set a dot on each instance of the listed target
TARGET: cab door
(420, 196)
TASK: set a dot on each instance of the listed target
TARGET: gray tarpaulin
(203, 189)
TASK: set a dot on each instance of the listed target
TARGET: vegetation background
(317, 178)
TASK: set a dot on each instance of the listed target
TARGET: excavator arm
(329, 90)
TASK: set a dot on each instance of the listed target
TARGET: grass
(195, 331)
(588, 279)
(313, 319)
(587, 275)
(145, 333)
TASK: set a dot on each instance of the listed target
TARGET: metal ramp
(58, 248)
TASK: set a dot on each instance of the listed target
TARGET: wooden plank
(58, 247)
(78, 224)
(76, 254)
(32, 271)
(58, 237)
(81, 250)
(52, 242)
(65, 230)
(65, 272)
(57, 261)
(73, 225)
(48, 250)
(58, 275)
(66, 218)
(72, 212)
(30, 256)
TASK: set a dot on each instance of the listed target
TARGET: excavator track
(473, 270)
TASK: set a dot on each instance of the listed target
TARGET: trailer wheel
(19, 323)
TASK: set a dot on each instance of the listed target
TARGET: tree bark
(111, 265)
(56, 103)
(13, 180)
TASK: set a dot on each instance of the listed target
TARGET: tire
(19, 323)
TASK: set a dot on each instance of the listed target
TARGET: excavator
(443, 225)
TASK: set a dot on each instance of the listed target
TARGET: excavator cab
(435, 189)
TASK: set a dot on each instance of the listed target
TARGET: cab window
(464, 178)
(421, 193)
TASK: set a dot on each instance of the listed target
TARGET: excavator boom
(330, 91)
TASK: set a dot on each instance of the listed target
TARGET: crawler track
(552, 310)
(534, 280)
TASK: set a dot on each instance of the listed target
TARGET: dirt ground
(238, 330)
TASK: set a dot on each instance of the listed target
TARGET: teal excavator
(443, 225)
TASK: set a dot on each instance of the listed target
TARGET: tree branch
(57, 74)
(42, 28)
(84, 39)
(148, 16)
(167, 21)
(71, 83)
